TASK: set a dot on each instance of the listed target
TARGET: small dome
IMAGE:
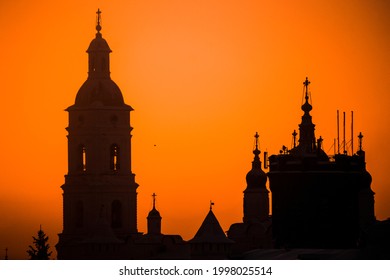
(154, 213)
(256, 178)
(98, 44)
(99, 91)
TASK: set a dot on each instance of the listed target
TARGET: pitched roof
(210, 231)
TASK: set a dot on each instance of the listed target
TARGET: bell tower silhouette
(99, 155)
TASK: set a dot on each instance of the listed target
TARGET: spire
(307, 141)
(256, 177)
(306, 107)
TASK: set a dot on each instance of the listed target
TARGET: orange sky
(203, 77)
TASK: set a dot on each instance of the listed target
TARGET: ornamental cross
(98, 26)
(257, 140)
(98, 16)
(306, 83)
(154, 199)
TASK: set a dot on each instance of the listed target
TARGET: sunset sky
(203, 77)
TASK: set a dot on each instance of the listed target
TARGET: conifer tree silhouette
(40, 249)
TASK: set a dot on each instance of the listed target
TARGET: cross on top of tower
(306, 83)
(98, 21)
(256, 151)
(306, 107)
(360, 136)
(294, 134)
(154, 200)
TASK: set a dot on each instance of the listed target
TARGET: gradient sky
(203, 77)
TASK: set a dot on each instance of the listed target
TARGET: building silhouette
(255, 232)
(100, 192)
(318, 201)
(210, 241)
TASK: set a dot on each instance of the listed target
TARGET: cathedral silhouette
(318, 202)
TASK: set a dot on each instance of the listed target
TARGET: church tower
(256, 201)
(100, 183)
(255, 232)
(154, 219)
(319, 201)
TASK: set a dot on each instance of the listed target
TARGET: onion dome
(256, 177)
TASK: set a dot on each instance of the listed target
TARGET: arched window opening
(84, 158)
(114, 164)
(79, 221)
(116, 214)
(81, 159)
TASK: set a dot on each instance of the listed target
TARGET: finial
(319, 143)
(306, 83)
(360, 136)
(256, 151)
(306, 107)
(256, 163)
(98, 21)
(6, 254)
(211, 205)
(294, 134)
(154, 200)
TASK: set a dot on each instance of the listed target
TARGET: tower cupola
(99, 89)
(154, 219)
(99, 51)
